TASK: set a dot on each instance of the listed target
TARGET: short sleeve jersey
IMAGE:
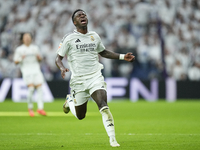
(30, 63)
(82, 52)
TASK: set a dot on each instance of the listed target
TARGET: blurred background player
(28, 57)
(82, 48)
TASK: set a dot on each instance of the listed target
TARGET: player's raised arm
(60, 65)
(109, 54)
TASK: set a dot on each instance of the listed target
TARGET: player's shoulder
(67, 36)
(93, 32)
(20, 48)
(33, 46)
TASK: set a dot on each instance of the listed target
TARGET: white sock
(40, 102)
(29, 97)
(71, 106)
(108, 121)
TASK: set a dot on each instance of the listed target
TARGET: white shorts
(33, 78)
(82, 91)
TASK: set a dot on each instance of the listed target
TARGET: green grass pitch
(139, 126)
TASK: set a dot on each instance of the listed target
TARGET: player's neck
(27, 44)
(82, 30)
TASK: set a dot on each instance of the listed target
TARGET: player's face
(27, 39)
(80, 19)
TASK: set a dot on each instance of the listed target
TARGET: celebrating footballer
(82, 48)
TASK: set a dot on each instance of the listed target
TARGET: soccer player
(82, 48)
(28, 57)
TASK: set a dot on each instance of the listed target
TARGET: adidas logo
(110, 125)
(77, 41)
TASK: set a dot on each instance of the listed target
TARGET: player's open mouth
(83, 21)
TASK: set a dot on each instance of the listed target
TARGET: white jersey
(29, 64)
(82, 53)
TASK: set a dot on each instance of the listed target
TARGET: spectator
(180, 27)
(194, 72)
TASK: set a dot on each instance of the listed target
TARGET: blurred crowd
(164, 35)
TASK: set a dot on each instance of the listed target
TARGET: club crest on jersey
(92, 38)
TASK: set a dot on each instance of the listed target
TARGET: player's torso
(83, 54)
(29, 54)
(83, 45)
(29, 62)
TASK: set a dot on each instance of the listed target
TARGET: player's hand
(39, 58)
(63, 71)
(23, 56)
(129, 57)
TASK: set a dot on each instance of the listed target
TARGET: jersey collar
(75, 31)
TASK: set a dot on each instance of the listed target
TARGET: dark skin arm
(111, 55)
(60, 65)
